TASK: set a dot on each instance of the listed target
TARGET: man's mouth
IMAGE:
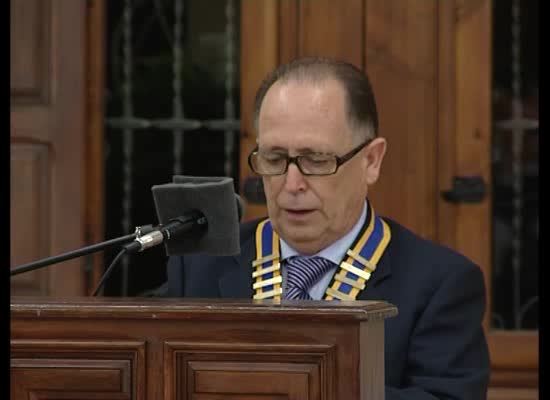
(297, 212)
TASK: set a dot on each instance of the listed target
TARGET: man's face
(311, 212)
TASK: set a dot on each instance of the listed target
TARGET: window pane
(515, 165)
(174, 66)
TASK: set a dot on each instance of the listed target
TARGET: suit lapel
(374, 288)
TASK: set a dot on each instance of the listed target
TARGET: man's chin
(302, 238)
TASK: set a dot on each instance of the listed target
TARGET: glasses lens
(268, 164)
(276, 164)
(317, 164)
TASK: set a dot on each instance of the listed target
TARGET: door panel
(47, 141)
(30, 60)
(325, 28)
(402, 65)
(30, 191)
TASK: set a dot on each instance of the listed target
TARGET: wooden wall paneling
(321, 28)
(69, 177)
(512, 394)
(329, 28)
(514, 364)
(446, 122)
(47, 109)
(473, 127)
(401, 61)
(288, 28)
(259, 55)
(30, 150)
(30, 55)
(95, 88)
(29, 213)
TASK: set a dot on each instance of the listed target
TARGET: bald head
(358, 98)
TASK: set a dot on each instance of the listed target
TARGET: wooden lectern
(173, 349)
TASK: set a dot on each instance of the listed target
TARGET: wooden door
(47, 136)
(464, 145)
(430, 66)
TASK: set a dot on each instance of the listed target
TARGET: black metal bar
(184, 124)
(77, 253)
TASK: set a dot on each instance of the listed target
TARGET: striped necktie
(302, 273)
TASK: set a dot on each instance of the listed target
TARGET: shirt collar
(337, 250)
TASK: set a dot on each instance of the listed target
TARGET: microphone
(193, 220)
(204, 210)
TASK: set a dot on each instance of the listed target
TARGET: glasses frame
(340, 160)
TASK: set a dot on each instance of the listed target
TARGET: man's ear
(375, 152)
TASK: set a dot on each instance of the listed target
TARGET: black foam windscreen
(215, 198)
(203, 179)
(240, 206)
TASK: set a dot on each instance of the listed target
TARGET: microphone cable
(109, 270)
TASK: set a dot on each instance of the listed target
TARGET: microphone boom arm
(81, 252)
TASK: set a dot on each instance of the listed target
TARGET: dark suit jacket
(434, 349)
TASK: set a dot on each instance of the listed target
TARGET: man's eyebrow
(301, 150)
(309, 150)
(275, 149)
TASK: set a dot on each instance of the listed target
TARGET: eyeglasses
(272, 163)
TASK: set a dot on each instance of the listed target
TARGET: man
(318, 152)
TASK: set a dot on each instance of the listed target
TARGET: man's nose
(294, 180)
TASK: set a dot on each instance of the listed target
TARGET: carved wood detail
(211, 371)
(77, 370)
(29, 215)
(30, 52)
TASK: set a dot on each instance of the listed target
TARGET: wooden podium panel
(173, 349)
(79, 369)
